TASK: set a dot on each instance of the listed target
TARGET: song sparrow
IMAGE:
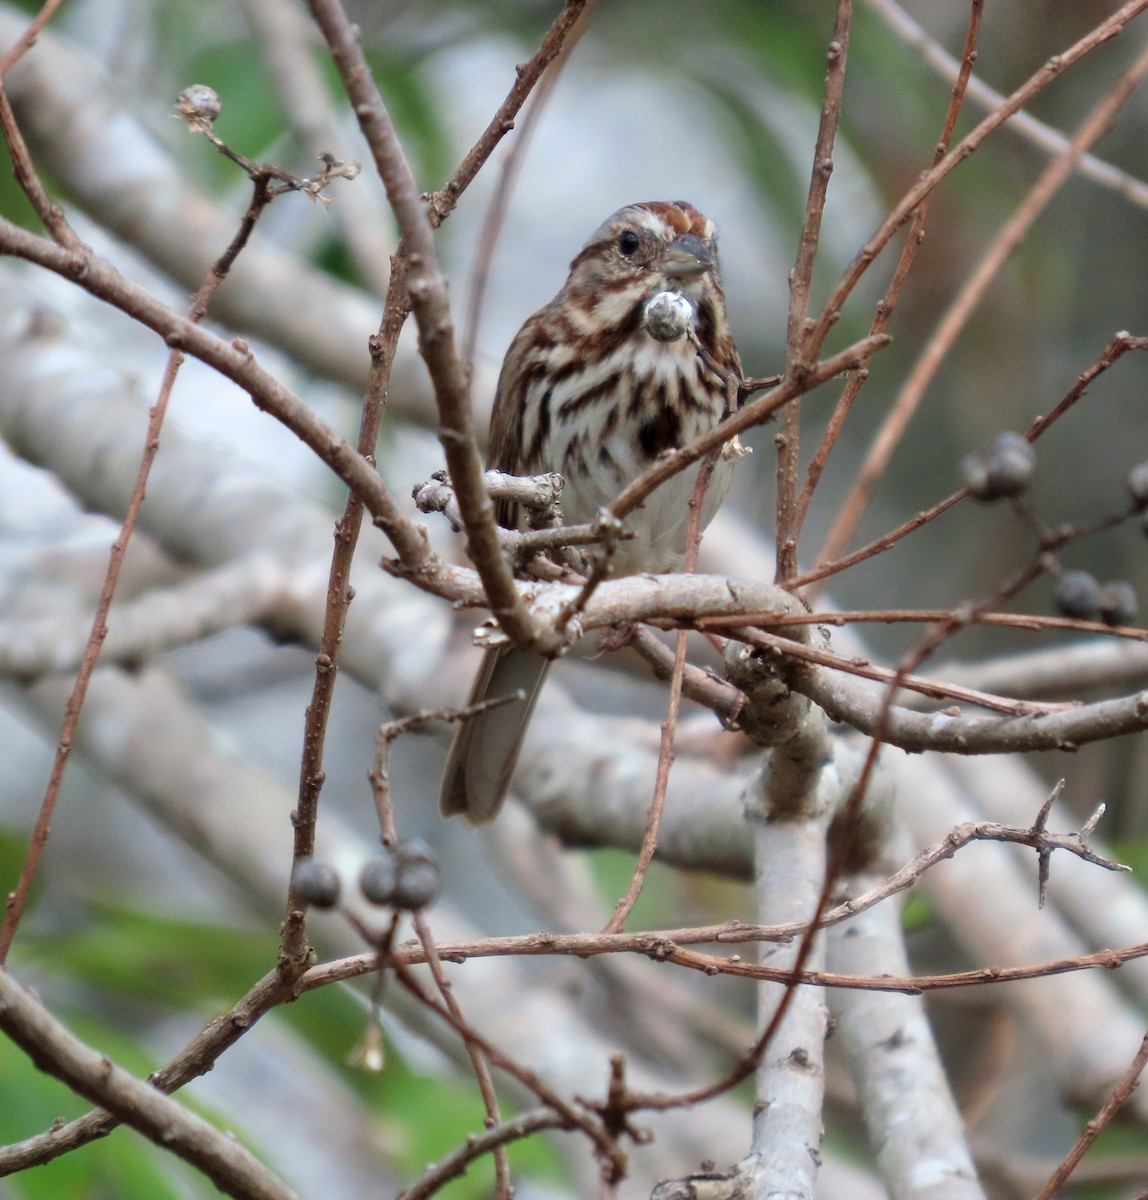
(588, 390)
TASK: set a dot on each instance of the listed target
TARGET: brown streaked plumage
(586, 391)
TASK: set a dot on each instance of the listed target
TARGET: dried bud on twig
(199, 105)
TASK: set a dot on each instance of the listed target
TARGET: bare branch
(233, 1169)
(1054, 176)
(1033, 130)
(905, 207)
(800, 283)
(454, 1165)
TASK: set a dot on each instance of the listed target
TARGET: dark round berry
(1004, 467)
(378, 878)
(1138, 485)
(316, 883)
(1078, 595)
(1118, 603)
(419, 877)
(418, 886)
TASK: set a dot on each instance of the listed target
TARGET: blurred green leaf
(143, 962)
(614, 870)
(154, 959)
(417, 117)
(918, 912)
(122, 1166)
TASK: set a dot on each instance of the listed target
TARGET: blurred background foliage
(716, 102)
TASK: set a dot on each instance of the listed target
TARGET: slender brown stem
(502, 1188)
(800, 283)
(18, 898)
(888, 303)
(779, 645)
(870, 616)
(1098, 1124)
(1052, 69)
(453, 1165)
(28, 38)
(50, 213)
(1055, 174)
(668, 947)
(625, 905)
(1024, 125)
(564, 27)
(605, 1146)
(508, 174)
(1112, 353)
(339, 596)
(430, 303)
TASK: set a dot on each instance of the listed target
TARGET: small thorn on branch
(1075, 843)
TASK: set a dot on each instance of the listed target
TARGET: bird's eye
(628, 243)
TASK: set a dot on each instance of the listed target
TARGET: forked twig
(673, 706)
(1098, 1124)
(1055, 174)
(888, 302)
(801, 281)
(18, 898)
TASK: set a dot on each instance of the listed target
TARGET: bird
(632, 358)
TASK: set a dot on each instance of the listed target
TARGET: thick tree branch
(233, 1169)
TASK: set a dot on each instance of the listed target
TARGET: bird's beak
(686, 257)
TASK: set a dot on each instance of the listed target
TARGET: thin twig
(1035, 132)
(767, 640)
(18, 898)
(896, 421)
(50, 213)
(527, 76)
(1052, 69)
(499, 202)
(800, 282)
(888, 302)
(1098, 1124)
(28, 38)
(380, 772)
(887, 616)
(665, 949)
(649, 846)
(502, 1188)
(454, 1164)
(606, 1148)
(339, 595)
(1120, 344)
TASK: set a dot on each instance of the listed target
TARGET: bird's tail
(485, 749)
